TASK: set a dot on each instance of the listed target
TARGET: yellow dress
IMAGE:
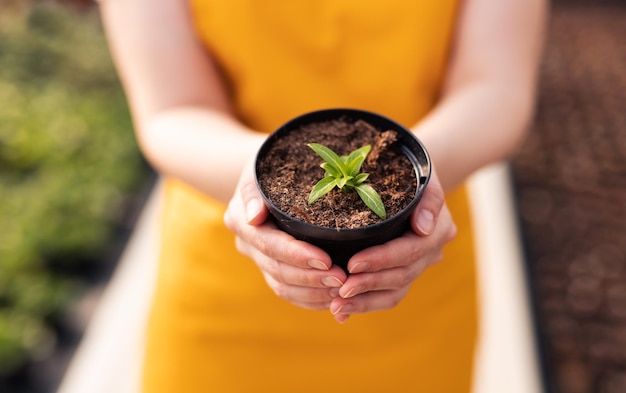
(215, 326)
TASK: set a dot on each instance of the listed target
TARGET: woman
(207, 80)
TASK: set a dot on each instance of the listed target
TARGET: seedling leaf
(358, 179)
(342, 181)
(331, 170)
(330, 157)
(372, 199)
(322, 188)
(356, 158)
(343, 173)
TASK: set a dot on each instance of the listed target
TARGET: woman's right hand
(295, 270)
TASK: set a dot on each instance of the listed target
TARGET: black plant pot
(342, 243)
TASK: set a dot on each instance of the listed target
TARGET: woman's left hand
(382, 275)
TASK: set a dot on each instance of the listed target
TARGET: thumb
(425, 216)
(255, 210)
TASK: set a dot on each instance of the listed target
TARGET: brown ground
(571, 189)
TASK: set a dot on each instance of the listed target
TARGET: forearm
(204, 148)
(475, 125)
(179, 102)
(488, 97)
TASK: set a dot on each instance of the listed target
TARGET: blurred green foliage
(68, 160)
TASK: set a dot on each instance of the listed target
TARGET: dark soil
(571, 183)
(290, 170)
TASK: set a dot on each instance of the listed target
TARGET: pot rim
(423, 170)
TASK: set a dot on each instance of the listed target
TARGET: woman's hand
(304, 275)
(380, 276)
(295, 270)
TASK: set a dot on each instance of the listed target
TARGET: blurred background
(570, 182)
(72, 184)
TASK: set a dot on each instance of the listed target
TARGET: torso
(215, 325)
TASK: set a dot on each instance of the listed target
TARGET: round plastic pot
(342, 243)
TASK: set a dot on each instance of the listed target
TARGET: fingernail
(359, 267)
(353, 292)
(253, 208)
(334, 292)
(343, 309)
(332, 281)
(426, 221)
(344, 319)
(317, 264)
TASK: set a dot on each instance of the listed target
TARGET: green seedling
(345, 173)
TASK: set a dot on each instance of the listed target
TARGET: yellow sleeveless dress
(215, 326)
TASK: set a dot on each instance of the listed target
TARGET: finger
(271, 241)
(278, 245)
(341, 318)
(290, 275)
(368, 302)
(247, 199)
(309, 298)
(312, 306)
(255, 210)
(425, 216)
(405, 249)
(388, 279)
